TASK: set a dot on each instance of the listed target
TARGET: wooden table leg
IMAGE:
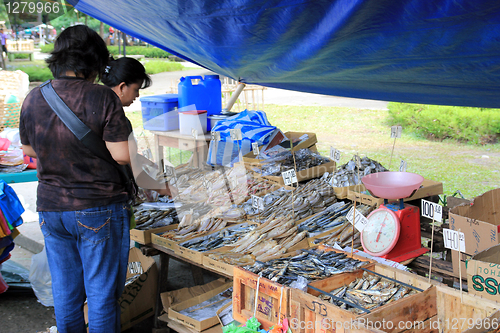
(197, 275)
(160, 326)
(158, 149)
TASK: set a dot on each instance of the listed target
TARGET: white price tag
(357, 159)
(255, 148)
(402, 166)
(235, 134)
(194, 133)
(432, 210)
(454, 240)
(396, 132)
(258, 203)
(334, 155)
(169, 171)
(361, 220)
(215, 136)
(289, 177)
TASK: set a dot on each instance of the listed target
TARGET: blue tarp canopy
(417, 51)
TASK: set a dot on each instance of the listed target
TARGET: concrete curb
(28, 244)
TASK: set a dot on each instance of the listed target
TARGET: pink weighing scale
(393, 229)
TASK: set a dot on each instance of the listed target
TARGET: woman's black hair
(81, 50)
(128, 70)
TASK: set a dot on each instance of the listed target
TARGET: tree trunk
(101, 30)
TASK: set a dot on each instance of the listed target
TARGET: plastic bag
(40, 278)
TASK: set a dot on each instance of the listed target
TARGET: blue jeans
(87, 252)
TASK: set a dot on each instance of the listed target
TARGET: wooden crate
(315, 315)
(452, 307)
(307, 174)
(144, 236)
(268, 299)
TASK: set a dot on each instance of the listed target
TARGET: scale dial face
(381, 233)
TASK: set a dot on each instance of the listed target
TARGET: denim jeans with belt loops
(87, 252)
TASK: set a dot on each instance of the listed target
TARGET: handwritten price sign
(360, 222)
(255, 148)
(432, 210)
(396, 132)
(334, 155)
(258, 203)
(454, 240)
(289, 177)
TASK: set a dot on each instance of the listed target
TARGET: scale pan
(392, 185)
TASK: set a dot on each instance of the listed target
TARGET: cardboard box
(144, 236)
(483, 273)
(250, 157)
(174, 310)
(167, 243)
(480, 223)
(139, 297)
(428, 188)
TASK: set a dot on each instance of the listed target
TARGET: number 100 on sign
(432, 210)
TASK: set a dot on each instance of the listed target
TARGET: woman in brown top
(81, 200)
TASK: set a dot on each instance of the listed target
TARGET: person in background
(126, 76)
(4, 37)
(81, 199)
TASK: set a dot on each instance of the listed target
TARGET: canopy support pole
(235, 96)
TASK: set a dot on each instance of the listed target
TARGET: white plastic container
(195, 119)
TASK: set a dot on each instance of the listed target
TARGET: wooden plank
(438, 265)
(452, 307)
(272, 299)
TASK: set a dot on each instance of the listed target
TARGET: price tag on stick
(255, 148)
(432, 210)
(360, 222)
(403, 166)
(236, 134)
(258, 203)
(289, 177)
(396, 132)
(334, 155)
(215, 136)
(194, 133)
(454, 240)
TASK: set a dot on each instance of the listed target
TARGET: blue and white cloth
(254, 127)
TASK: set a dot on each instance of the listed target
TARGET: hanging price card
(289, 177)
(169, 171)
(360, 222)
(215, 136)
(396, 132)
(258, 203)
(334, 154)
(194, 133)
(454, 240)
(432, 210)
(255, 148)
(357, 159)
(402, 166)
(235, 134)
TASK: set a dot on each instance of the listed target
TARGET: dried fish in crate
(310, 264)
(368, 292)
(150, 218)
(333, 218)
(304, 159)
(349, 174)
(218, 239)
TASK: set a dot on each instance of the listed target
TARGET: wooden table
(165, 255)
(175, 139)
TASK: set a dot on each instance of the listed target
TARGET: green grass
(36, 70)
(159, 66)
(469, 168)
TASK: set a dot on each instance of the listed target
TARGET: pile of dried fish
(310, 264)
(333, 218)
(218, 239)
(304, 159)
(368, 292)
(270, 239)
(150, 218)
(349, 174)
(307, 200)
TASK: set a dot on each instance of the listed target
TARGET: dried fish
(350, 174)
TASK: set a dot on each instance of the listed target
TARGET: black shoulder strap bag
(88, 137)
